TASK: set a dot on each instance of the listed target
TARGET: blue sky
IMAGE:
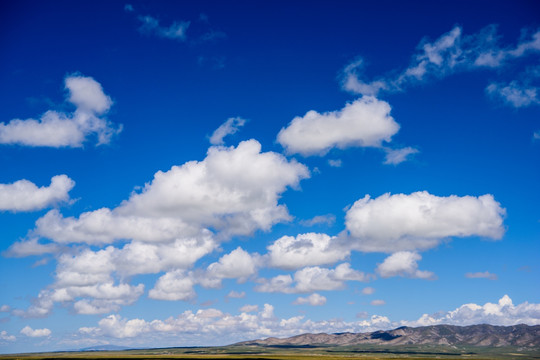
(201, 173)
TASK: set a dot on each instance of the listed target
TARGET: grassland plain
(295, 353)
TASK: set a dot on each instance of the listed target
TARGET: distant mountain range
(105, 348)
(474, 335)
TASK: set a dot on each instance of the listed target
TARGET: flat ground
(288, 353)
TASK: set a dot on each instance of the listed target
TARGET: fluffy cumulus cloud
(176, 219)
(311, 279)
(24, 195)
(403, 263)
(420, 221)
(365, 122)
(174, 285)
(313, 300)
(238, 264)
(309, 249)
(28, 331)
(450, 53)
(229, 127)
(234, 190)
(61, 129)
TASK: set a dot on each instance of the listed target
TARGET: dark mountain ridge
(474, 335)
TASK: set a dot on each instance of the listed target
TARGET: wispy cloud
(229, 127)
(452, 52)
(481, 275)
(151, 26)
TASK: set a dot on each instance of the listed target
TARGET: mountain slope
(474, 335)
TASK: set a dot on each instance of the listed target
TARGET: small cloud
(481, 275)
(229, 127)
(362, 315)
(128, 8)
(327, 219)
(378, 302)
(208, 303)
(536, 135)
(403, 263)
(368, 290)
(5, 336)
(397, 156)
(151, 26)
(313, 300)
(335, 163)
(5, 308)
(249, 308)
(40, 262)
(28, 331)
(236, 295)
(62, 129)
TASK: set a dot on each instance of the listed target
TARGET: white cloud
(481, 275)
(368, 290)
(6, 337)
(24, 195)
(313, 300)
(366, 122)
(312, 279)
(397, 156)
(176, 31)
(28, 331)
(309, 249)
(5, 308)
(236, 295)
(229, 127)
(403, 263)
(128, 8)
(249, 308)
(87, 95)
(378, 302)
(515, 94)
(59, 129)
(420, 221)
